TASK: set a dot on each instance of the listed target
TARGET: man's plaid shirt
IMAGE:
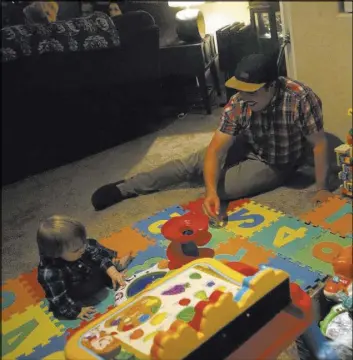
(277, 133)
(57, 275)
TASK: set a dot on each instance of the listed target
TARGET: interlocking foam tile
(152, 252)
(54, 350)
(219, 236)
(15, 298)
(286, 236)
(23, 332)
(301, 274)
(196, 205)
(151, 227)
(334, 215)
(342, 226)
(30, 282)
(240, 249)
(323, 211)
(331, 242)
(235, 204)
(127, 240)
(251, 217)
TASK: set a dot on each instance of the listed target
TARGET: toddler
(72, 268)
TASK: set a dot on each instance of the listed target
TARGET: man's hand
(211, 206)
(319, 143)
(118, 278)
(86, 313)
(321, 196)
(217, 149)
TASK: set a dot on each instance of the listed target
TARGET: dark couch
(60, 107)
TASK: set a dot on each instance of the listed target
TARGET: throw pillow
(96, 31)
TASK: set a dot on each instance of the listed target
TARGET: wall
(321, 56)
(221, 13)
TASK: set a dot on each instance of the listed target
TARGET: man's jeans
(243, 174)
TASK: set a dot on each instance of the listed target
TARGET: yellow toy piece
(191, 305)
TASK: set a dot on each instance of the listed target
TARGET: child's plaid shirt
(277, 133)
(57, 275)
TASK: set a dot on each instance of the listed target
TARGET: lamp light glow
(184, 4)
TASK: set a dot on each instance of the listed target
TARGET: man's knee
(230, 188)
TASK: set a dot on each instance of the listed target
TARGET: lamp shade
(190, 25)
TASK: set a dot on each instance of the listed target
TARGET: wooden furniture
(264, 22)
(192, 59)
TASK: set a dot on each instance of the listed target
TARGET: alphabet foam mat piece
(252, 233)
(334, 215)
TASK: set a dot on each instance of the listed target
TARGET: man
(271, 119)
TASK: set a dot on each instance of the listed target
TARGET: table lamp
(190, 23)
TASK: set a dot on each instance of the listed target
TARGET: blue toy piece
(318, 345)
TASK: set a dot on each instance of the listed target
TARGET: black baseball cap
(253, 72)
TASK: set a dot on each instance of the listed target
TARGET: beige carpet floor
(67, 190)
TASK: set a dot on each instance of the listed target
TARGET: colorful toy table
(203, 309)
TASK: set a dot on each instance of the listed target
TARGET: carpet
(254, 234)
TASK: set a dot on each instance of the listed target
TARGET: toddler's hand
(118, 278)
(86, 313)
(122, 263)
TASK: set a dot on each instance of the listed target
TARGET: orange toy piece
(186, 233)
(343, 268)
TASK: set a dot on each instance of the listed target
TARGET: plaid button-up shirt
(57, 276)
(277, 134)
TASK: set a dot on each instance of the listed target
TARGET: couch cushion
(96, 31)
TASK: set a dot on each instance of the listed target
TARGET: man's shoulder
(235, 102)
(294, 88)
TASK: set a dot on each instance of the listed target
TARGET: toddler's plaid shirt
(277, 133)
(57, 275)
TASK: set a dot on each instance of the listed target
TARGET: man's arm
(319, 144)
(312, 126)
(220, 143)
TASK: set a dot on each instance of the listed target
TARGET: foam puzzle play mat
(181, 265)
